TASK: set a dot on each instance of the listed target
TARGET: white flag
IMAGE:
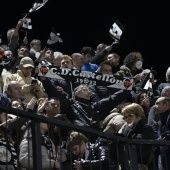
(37, 6)
(116, 30)
(27, 24)
(54, 38)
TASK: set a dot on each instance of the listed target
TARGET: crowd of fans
(140, 113)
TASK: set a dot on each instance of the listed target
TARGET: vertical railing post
(36, 143)
(133, 157)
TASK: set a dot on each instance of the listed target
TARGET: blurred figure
(133, 64)
(88, 53)
(114, 60)
(136, 128)
(167, 83)
(143, 100)
(58, 56)
(90, 155)
(101, 53)
(78, 60)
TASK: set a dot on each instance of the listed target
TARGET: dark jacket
(140, 131)
(83, 112)
(100, 92)
(98, 157)
(164, 132)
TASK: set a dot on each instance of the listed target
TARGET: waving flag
(116, 31)
(27, 26)
(37, 5)
(54, 38)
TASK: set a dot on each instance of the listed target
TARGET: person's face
(26, 70)
(129, 117)
(87, 58)
(66, 63)
(144, 100)
(36, 47)
(23, 52)
(15, 91)
(83, 93)
(49, 55)
(57, 62)
(113, 60)
(79, 150)
(160, 107)
(106, 69)
(79, 61)
(53, 107)
(17, 105)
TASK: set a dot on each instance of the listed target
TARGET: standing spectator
(167, 83)
(88, 53)
(136, 128)
(91, 156)
(35, 48)
(100, 92)
(77, 60)
(114, 59)
(133, 63)
(23, 76)
(101, 53)
(143, 100)
(58, 56)
(162, 108)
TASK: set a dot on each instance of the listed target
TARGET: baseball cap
(27, 62)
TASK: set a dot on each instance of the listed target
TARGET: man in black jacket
(80, 110)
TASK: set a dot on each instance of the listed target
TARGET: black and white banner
(86, 77)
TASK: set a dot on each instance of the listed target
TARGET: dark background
(87, 23)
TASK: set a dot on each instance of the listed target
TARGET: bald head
(13, 90)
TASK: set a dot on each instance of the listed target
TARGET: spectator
(162, 85)
(77, 60)
(162, 108)
(23, 76)
(91, 156)
(136, 128)
(101, 53)
(58, 56)
(88, 53)
(100, 92)
(133, 63)
(114, 59)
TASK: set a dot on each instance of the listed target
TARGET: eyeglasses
(128, 116)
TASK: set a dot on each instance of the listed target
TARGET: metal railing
(130, 159)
